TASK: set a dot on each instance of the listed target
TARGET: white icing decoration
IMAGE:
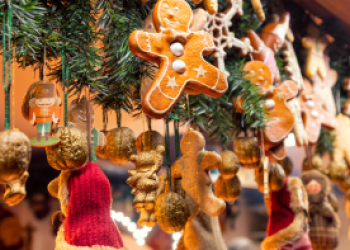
(177, 49)
(200, 71)
(261, 78)
(179, 66)
(172, 83)
(314, 113)
(310, 104)
(252, 72)
(269, 104)
(280, 96)
(261, 70)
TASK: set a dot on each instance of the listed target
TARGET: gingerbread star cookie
(314, 114)
(179, 53)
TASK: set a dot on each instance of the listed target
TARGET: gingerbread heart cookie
(179, 53)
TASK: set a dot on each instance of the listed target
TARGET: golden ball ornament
(227, 189)
(276, 177)
(149, 140)
(338, 171)
(71, 153)
(171, 212)
(248, 152)
(230, 165)
(120, 145)
(101, 151)
(287, 165)
(316, 163)
(15, 155)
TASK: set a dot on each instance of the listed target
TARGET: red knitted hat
(88, 224)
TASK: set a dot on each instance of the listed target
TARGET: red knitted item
(88, 221)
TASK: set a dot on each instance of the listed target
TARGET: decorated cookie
(218, 26)
(179, 53)
(315, 44)
(280, 119)
(194, 173)
(323, 87)
(272, 39)
(315, 116)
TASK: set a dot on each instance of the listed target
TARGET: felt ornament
(324, 225)
(85, 197)
(144, 183)
(270, 41)
(230, 165)
(202, 230)
(41, 107)
(315, 44)
(78, 119)
(227, 189)
(276, 177)
(294, 72)
(287, 165)
(71, 153)
(177, 70)
(120, 145)
(219, 27)
(280, 119)
(341, 143)
(148, 141)
(314, 114)
(288, 219)
(15, 154)
(323, 87)
(248, 152)
(171, 209)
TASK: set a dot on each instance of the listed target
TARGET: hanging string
(119, 117)
(67, 85)
(13, 88)
(177, 136)
(105, 120)
(64, 85)
(88, 124)
(167, 150)
(44, 64)
(266, 169)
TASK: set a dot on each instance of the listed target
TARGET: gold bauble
(230, 165)
(171, 212)
(287, 165)
(248, 152)
(120, 145)
(71, 153)
(228, 190)
(276, 177)
(102, 151)
(316, 163)
(15, 154)
(338, 171)
(149, 140)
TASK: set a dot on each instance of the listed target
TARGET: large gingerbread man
(314, 115)
(179, 53)
(279, 117)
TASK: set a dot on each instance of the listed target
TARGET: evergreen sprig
(325, 143)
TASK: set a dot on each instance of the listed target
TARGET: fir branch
(325, 143)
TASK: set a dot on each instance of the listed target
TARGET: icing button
(310, 104)
(177, 49)
(314, 113)
(269, 104)
(179, 66)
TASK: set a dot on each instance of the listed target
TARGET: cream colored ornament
(15, 155)
(120, 145)
(71, 153)
(149, 140)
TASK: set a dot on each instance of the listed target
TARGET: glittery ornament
(171, 212)
(287, 165)
(149, 140)
(230, 165)
(120, 145)
(276, 177)
(338, 171)
(227, 189)
(316, 163)
(15, 154)
(248, 151)
(71, 153)
(144, 183)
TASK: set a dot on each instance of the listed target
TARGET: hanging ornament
(248, 152)
(287, 165)
(338, 171)
(78, 118)
(324, 225)
(148, 141)
(42, 107)
(15, 154)
(227, 189)
(71, 153)
(144, 183)
(276, 177)
(230, 165)
(316, 163)
(120, 145)
(188, 71)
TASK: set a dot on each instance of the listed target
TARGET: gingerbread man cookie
(280, 119)
(179, 53)
(315, 116)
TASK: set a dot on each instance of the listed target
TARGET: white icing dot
(177, 49)
(314, 113)
(269, 104)
(179, 66)
(252, 72)
(261, 70)
(310, 104)
(261, 78)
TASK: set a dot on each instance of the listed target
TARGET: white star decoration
(200, 71)
(280, 96)
(172, 83)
